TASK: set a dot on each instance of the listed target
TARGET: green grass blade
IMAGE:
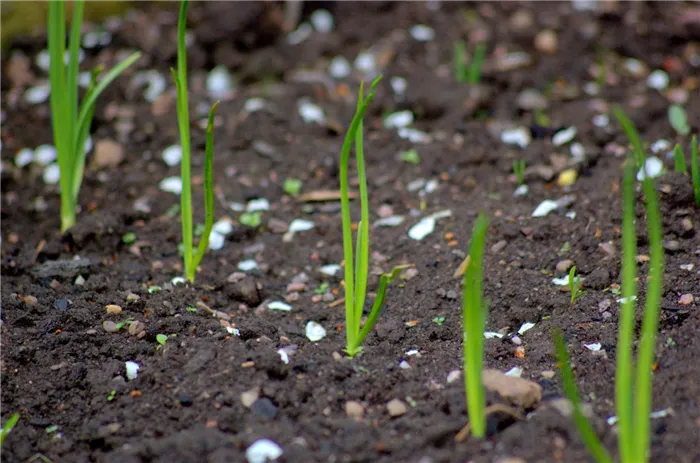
(8, 427)
(208, 190)
(362, 249)
(679, 160)
(72, 70)
(476, 64)
(585, 429)
(695, 168)
(624, 366)
(632, 134)
(650, 323)
(376, 311)
(474, 319)
(62, 124)
(183, 120)
(352, 331)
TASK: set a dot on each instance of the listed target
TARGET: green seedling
(112, 394)
(439, 320)
(695, 168)
(71, 121)
(468, 73)
(357, 265)
(678, 119)
(322, 288)
(192, 257)
(250, 219)
(474, 311)
(411, 157)
(679, 160)
(519, 171)
(161, 339)
(632, 388)
(575, 285)
(129, 238)
(191, 309)
(8, 427)
(585, 429)
(292, 186)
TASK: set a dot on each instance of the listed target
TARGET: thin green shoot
(8, 427)
(71, 121)
(474, 311)
(469, 73)
(679, 160)
(678, 119)
(519, 171)
(695, 168)
(632, 134)
(357, 265)
(192, 257)
(588, 434)
(575, 285)
(634, 399)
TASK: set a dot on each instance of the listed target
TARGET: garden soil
(219, 382)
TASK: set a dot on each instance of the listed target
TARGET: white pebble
(263, 451)
(545, 208)
(43, 60)
(132, 370)
(399, 85)
(247, 265)
(216, 241)
(310, 112)
(339, 68)
(391, 221)
(492, 334)
(172, 155)
(453, 376)
(422, 229)
(178, 281)
(601, 120)
(563, 281)
(515, 371)
(525, 327)
(171, 185)
(154, 81)
(366, 63)
(254, 104)
(45, 154)
(653, 167)
(279, 305)
(398, 119)
(658, 80)
(413, 135)
(422, 33)
(564, 136)
(52, 174)
(259, 204)
(24, 157)
(520, 137)
(220, 83)
(578, 152)
(38, 94)
(323, 21)
(223, 227)
(299, 225)
(314, 331)
(522, 190)
(660, 146)
(594, 347)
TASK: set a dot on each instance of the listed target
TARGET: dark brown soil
(66, 375)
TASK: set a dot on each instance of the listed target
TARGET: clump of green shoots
(632, 388)
(71, 121)
(474, 311)
(192, 257)
(519, 171)
(357, 265)
(575, 285)
(8, 427)
(469, 73)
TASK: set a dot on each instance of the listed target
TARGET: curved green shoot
(695, 168)
(192, 257)
(474, 311)
(357, 261)
(71, 123)
(679, 160)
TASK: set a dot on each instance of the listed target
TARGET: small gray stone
(109, 326)
(265, 408)
(598, 279)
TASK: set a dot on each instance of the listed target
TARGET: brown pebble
(563, 266)
(354, 409)
(546, 41)
(548, 374)
(395, 407)
(108, 153)
(30, 300)
(131, 298)
(113, 309)
(136, 328)
(500, 246)
(12, 238)
(109, 326)
(686, 299)
(296, 287)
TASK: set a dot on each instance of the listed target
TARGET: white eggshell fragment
(132, 370)
(171, 185)
(314, 331)
(172, 155)
(652, 168)
(263, 451)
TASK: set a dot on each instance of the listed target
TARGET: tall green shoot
(357, 263)
(695, 168)
(192, 257)
(474, 311)
(71, 121)
(679, 160)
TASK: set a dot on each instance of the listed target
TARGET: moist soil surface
(219, 383)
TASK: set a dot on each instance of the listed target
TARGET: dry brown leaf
(324, 195)
(462, 267)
